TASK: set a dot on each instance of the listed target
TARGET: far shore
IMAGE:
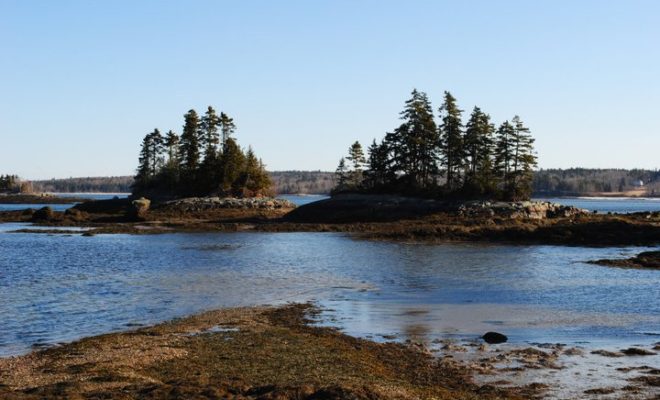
(41, 198)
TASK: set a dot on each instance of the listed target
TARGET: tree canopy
(204, 160)
(448, 158)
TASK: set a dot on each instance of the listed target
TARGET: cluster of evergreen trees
(8, 183)
(447, 158)
(204, 160)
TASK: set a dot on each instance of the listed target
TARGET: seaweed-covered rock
(43, 214)
(646, 259)
(75, 214)
(140, 208)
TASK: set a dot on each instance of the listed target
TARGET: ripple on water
(57, 288)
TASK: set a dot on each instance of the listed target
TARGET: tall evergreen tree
(228, 128)
(233, 163)
(478, 146)
(208, 133)
(210, 167)
(357, 159)
(524, 160)
(451, 140)
(504, 154)
(171, 169)
(190, 144)
(377, 173)
(414, 142)
(151, 159)
(342, 174)
(255, 176)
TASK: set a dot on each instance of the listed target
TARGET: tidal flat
(277, 353)
(435, 299)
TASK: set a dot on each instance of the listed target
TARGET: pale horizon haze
(84, 81)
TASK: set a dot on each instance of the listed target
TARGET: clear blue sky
(83, 81)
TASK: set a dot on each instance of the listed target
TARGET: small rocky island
(647, 259)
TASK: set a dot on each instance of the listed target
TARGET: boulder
(75, 214)
(636, 351)
(43, 214)
(494, 338)
(140, 208)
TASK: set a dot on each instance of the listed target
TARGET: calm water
(56, 288)
(62, 207)
(605, 205)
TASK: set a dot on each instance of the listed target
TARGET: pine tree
(356, 158)
(342, 175)
(208, 133)
(377, 173)
(232, 164)
(228, 128)
(524, 160)
(414, 143)
(478, 146)
(207, 179)
(451, 141)
(171, 169)
(190, 150)
(257, 181)
(150, 161)
(504, 154)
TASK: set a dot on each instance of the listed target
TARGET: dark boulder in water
(636, 351)
(494, 338)
(647, 259)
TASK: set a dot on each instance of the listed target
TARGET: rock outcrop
(647, 259)
(198, 204)
(519, 210)
(43, 214)
(346, 208)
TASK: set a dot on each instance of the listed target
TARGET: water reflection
(61, 287)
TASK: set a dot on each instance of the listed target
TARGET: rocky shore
(372, 217)
(274, 353)
(348, 208)
(645, 260)
(247, 353)
(201, 204)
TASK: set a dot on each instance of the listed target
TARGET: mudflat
(244, 353)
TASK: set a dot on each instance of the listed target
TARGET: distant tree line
(303, 182)
(204, 160)
(106, 184)
(9, 183)
(444, 158)
(581, 181)
(546, 182)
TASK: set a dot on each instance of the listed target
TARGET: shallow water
(62, 207)
(56, 288)
(620, 205)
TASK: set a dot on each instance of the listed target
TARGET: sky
(82, 82)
